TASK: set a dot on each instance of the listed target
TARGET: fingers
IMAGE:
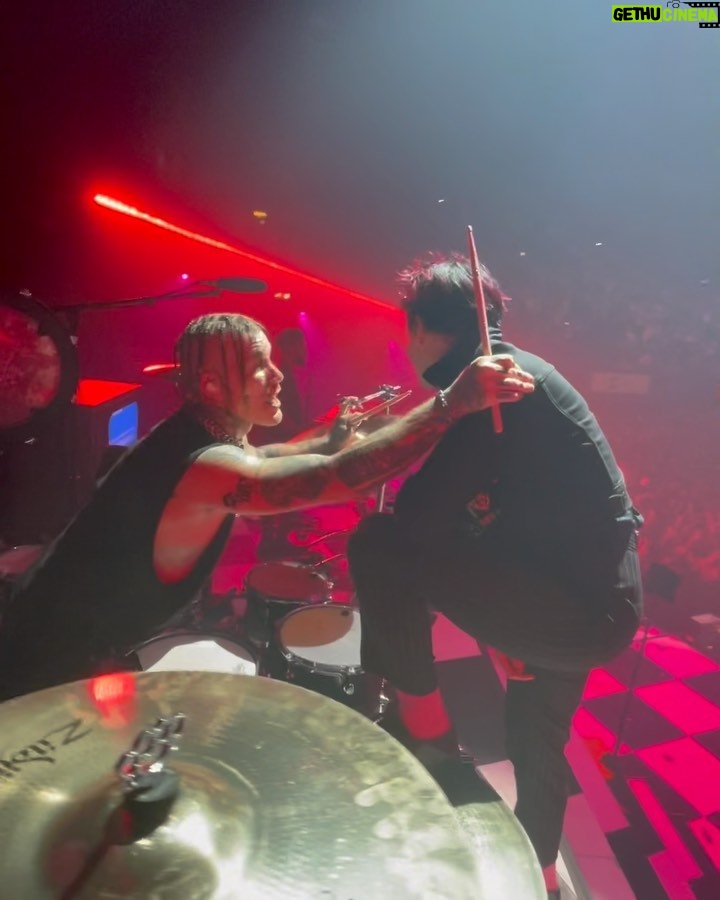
(519, 381)
(511, 386)
(502, 360)
(507, 365)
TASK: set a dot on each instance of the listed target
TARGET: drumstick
(482, 319)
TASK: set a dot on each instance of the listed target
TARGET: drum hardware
(383, 407)
(324, 537)
(329, 559)
(388, 396)
(149, 786)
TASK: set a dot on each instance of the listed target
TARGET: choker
(217, 431)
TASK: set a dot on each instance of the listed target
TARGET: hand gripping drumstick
(482, 319)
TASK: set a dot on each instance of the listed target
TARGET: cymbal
(283, 794)
(506, 862)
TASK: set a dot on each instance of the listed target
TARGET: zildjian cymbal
(282, 794)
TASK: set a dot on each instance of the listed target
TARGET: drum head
(38, 366)
(188, 652)
(326, 635)
(287, 582)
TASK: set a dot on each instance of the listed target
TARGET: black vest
(95, 593)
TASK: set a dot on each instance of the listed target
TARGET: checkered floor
(666, 771)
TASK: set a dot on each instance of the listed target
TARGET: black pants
(520, 612)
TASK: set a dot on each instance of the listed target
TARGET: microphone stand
(383, 486)
(194, 291)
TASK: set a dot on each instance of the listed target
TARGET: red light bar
(119, 206)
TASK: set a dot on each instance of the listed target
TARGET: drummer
(158, 522)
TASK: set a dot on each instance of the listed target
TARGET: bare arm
(319, 440)
(321, 446)
(226, 478)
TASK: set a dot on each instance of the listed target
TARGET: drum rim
(340, 607)
(324, 588)
(316, 668)
(200, 635)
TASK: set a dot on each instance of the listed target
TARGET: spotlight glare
(120, 207)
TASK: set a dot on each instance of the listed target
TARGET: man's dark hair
(439, 293)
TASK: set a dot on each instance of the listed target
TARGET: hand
(342, 431)
(486, 381)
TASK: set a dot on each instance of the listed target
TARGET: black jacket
(547, 491)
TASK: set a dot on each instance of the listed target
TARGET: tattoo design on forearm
(295, 489)
(363, 466)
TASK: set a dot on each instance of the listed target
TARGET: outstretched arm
(319, 440)
(227, 478)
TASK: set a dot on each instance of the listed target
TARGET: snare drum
(321, 646)
(187, 651)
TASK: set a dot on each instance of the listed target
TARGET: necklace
(217, 431)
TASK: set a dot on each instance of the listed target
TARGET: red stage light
(133, 212)
(96, 391)
(161, 369)
(115, 689)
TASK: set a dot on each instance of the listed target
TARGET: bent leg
(538, 715)
(396, 623)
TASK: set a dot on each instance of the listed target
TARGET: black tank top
(95, 592)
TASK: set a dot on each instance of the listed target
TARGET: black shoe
(448, 763)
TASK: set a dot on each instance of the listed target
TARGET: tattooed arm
(330, 440)
(320, 446)
(228, 479)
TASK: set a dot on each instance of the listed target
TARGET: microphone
(239, 285)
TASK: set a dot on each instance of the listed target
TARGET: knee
(374, 536)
